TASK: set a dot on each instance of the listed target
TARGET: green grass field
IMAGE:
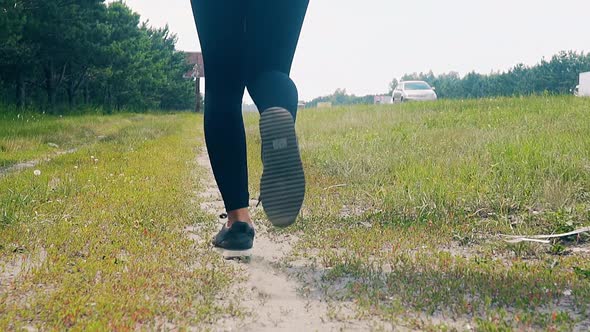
(403, 216)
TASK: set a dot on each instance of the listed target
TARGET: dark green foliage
(340, 97)
(61, 52)
(556, 76)
(582, 272)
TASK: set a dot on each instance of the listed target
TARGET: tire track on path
(273, 296)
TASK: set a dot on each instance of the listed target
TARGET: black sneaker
(235, 241)
(282, 186)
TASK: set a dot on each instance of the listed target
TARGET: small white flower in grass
(37, 172)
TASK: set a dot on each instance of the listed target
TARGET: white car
(413, 90)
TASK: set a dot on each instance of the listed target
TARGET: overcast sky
(360, 45)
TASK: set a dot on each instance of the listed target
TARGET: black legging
(245, 43)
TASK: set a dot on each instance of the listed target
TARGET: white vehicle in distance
(413, 90)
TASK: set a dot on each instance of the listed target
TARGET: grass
(406, 202)
(403, 213)
(100, 233)
(26, 136)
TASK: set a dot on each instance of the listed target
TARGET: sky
(361, 45)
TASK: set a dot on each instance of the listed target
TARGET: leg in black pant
(221, 32)
(272, 33)
(244, 43)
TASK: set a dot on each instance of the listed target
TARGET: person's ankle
(242, 215)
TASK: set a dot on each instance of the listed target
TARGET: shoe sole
(282, 186)
(235, 254)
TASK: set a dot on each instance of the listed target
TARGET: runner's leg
(272, 33)
(220, 24)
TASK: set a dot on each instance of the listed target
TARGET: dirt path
(273, 293)
(32, 163)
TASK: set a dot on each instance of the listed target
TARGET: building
(583, 89)
(195, 59)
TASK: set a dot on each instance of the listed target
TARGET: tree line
(72, 52)
(558, 75)
(341, 97)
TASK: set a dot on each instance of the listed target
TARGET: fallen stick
(336, 186)
(542, 238)
(524, 239)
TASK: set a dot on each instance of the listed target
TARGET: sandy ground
(282, 294)
(278, 294)
(32, 163)
(275, 295)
